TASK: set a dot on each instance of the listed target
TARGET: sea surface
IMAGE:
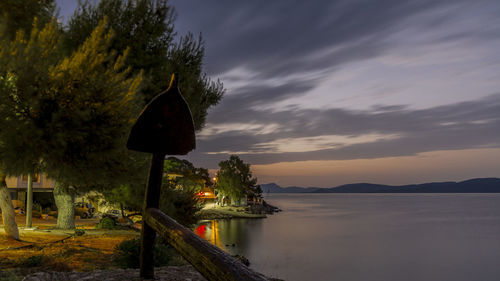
(369, 237)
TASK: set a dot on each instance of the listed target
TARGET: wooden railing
(209, 260)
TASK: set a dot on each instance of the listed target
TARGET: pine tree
(93, 104)
(146, 28)
(23, 80)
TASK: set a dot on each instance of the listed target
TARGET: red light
(200, 230)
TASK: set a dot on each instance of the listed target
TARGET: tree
(192, 178)
(178, 197)
(180, 204)
(23, 80)
(92, 105)
(146, 28)
(16, 19)
(234, 179)
(79, 107)
(75, 111)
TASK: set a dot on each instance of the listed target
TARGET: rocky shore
(263, 208)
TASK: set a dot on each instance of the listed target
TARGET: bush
(107, 223)
(32, 261)
(79, 232)
(127, 254)
(181, 205)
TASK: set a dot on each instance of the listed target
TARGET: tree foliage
(191, 178)
(180, 204)
(16, 29)
(234, 178)
(70, 96)
(146, 28)
(24, 84)
(73, 112)
(88, 112)
(178, 197)
(18, 15)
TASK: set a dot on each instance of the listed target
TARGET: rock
(242, 259)
(263, 208)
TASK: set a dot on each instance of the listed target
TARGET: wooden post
(164, 127)
(151, 200)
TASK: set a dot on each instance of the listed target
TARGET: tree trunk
(8, 214)
(65, 199)
(121, 209)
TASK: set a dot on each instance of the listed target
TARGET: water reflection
(209, 231)
(231, 236)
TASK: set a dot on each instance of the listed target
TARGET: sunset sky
(323, 93)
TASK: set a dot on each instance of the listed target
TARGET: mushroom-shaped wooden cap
(165, 125)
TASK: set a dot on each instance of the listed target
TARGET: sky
(323, 93)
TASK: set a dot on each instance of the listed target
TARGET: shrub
(32, 261)
(79, 232)
(181, 205)
(127, 254)
(107, 223)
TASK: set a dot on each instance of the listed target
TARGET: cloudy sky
(322, 93)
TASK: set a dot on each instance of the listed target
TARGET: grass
(59, 250)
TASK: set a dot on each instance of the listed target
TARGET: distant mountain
(274, 188)
(482, 185)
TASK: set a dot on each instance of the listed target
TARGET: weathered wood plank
(213, 263)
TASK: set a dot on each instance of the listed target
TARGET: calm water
(426, 237)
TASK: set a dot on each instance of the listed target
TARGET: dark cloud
(282, 37)
(458, 126)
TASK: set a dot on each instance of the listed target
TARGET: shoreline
(255, 211)
(227, 212)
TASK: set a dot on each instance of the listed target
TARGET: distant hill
(482, 185)
(274, 188)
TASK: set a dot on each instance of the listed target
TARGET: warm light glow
(424, 167)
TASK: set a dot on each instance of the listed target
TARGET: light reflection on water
(420, 237)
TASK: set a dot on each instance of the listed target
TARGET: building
(42, 188)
